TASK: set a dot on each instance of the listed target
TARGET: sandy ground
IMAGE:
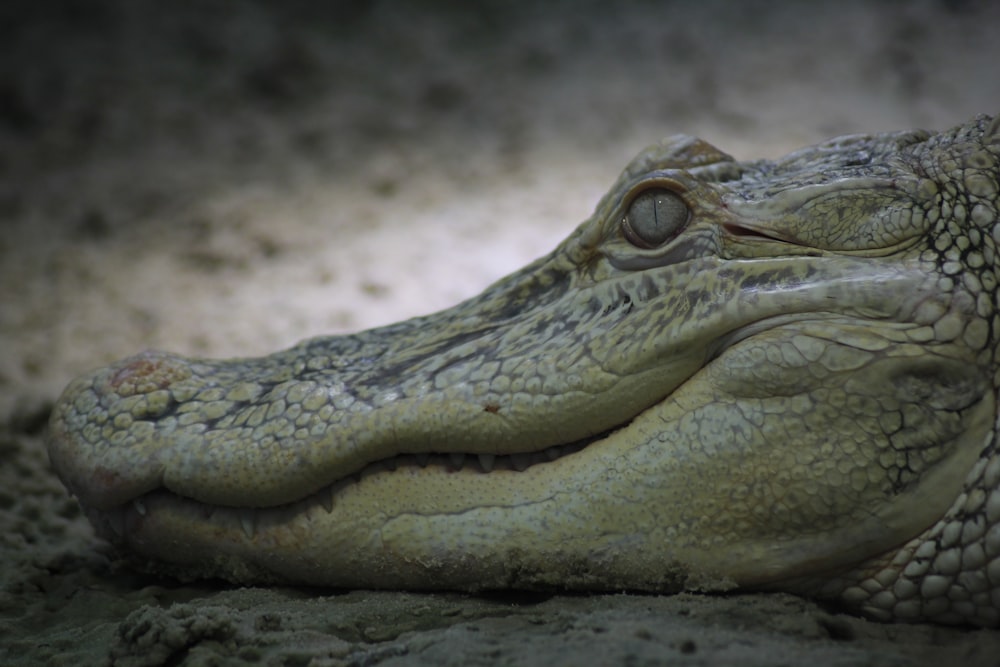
(228, 179)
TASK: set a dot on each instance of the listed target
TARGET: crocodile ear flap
(677, 152)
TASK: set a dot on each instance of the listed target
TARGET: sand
(230, 178)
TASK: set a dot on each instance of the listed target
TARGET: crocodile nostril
(147, 372)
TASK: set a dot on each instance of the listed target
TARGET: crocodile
(757, 375)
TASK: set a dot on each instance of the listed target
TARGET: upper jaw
(580, 363)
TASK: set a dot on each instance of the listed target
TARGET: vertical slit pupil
(654, 217)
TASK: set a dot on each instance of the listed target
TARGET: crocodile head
(770, 374)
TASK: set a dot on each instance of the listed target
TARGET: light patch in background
(225, 183)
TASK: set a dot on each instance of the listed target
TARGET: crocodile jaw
(545, 527)
(659, 503)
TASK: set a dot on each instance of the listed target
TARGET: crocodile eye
(654, 217)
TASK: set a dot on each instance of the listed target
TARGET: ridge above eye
(654, 216)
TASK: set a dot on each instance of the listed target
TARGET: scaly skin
(782, 376)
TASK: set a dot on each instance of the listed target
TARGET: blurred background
(226, 178)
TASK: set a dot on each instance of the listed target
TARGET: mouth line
(456, 462)
(122, 516)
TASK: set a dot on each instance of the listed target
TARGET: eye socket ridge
(654, 216)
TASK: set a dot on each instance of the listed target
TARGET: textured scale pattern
(951, 572)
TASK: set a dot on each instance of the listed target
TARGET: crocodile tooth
(326, 499)
(457, 460)
(520, 461)
(139, 506)
(423, 458)
(248, 520)
(553, 452)
(486, 461)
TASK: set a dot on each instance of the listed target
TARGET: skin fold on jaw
(764, 374)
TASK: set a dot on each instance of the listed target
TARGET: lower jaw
(434, 523)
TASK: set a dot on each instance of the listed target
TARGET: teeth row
(453, 462)
(247, 517)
